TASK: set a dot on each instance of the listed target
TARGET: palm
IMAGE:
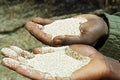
(90, 32)
(85, 73)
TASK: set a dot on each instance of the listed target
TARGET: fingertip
(36, 51)
(9, 53)
(29, 25)
(58, 40)
(42, 21)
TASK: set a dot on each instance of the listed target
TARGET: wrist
(114, 67)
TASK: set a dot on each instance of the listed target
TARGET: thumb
(66, 40)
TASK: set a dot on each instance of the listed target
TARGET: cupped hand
(99, 68)
(91, 31)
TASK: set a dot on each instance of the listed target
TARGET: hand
(99, 68)
(93, 30)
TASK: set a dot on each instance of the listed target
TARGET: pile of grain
(58, 63)
(68, 26)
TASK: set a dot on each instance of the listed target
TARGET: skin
(91, 31)
(99, 68)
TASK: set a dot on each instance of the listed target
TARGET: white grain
(69, 26)
(57, 63)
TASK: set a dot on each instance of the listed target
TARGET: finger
(66, 40)
(12, 53)
(7, 52)
(27, 55)
(10, 63)
(29, 72)
(37, 33)
(21, 52)
(48, 49)
(22, 69)
(42, 21)
(43, 50)
(33, 74)
(37, 51)
(30, 25)
(16, 49)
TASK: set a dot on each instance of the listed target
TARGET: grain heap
(69, 26)
(59, 62)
